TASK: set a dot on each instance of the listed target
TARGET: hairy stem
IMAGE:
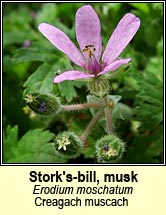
(91, 125)
(81, 106)
(108, 120)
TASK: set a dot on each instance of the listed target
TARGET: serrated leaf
(41, 81)
(149, 99)
(149, 110)
(34, 147)
(30, 54)
(35, 53)
(67, 90)
(9, 141)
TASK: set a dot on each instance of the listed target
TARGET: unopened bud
(98, 86)
(43, 104)
(109, 149)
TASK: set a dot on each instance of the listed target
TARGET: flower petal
(61, 41)
(71, 75)
(122, 35)
(88, 29)
(115, 65)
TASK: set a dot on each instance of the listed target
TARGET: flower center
(63, 143)
(93, 66)
(90, 50)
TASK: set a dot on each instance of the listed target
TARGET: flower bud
(98, 86)
(68, 145)
(43, 104)
(109, 149)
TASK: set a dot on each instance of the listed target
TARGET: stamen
(90, 50)
(30, 98)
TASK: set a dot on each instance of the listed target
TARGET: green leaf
(35, 53)
(16, 26)
(149, 99)
(41, 81)
(149, 111)
(47, 13)
(144, 7)
(155, 147)
(9, 142)
(30, 54)
(124, 112)
(17, 36)
(33, 147)
(67, 90)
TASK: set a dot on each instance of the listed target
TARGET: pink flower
(89, 39)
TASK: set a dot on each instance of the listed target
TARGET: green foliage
(10, 141)
(149, 108)
(34, 53)
(144, 7)
(48, 12)
(33, 147)
(40, 81)
(15, 29)
(68, 91)
(30, 63)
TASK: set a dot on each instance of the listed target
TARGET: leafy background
(30, 63)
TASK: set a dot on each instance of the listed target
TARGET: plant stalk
(81, 106)
(91, 125)
(108, 120)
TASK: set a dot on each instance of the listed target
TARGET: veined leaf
(67, 90)
(35, 53)
(41, 81)
(149, 109)
(33, 147)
